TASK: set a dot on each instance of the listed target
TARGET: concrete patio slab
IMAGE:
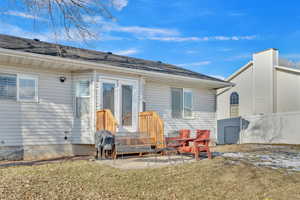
(154, 161)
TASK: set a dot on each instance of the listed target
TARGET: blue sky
(214, 37)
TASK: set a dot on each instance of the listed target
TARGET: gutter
(227, 89)
(288, 69)
(96, 66)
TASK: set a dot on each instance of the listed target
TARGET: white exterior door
(121, 97)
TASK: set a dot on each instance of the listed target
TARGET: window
(177, 102)
(8, 86)
(27, 88)
(82, 98)
(18, 87)
(182, 103)
(109, 97)
(188, 102)
(234, 104)
(127, 93)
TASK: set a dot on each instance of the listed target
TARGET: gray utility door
(229, 131)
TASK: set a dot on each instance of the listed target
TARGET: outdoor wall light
(66, 135)
(62, 79)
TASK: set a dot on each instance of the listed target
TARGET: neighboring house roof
(250, 63)
(44, 48)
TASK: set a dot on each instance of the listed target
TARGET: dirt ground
(220, 178)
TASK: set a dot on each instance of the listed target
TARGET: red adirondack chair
(171, 141)
(201, 143)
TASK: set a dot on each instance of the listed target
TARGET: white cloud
(104, 31)
(23, 15)
(239, 57)
(195, 64)
(52, 36)
(159, 34)
(247, 37)
(92, 19)
(127, 52)
(175, 39)
(191, 52)
(145, 30)
(224, 49)
(17, 31)
(295, 56)
(138, 30)
(207, 38)
(218, 76)
(119, 4)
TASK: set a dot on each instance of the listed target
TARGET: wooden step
(129, 149)
(134, 141)
(132, 134)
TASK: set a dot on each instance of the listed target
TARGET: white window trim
(183, 91)
(30, 77)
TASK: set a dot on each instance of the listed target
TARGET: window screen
(82, 98)
(127, 92)
(27, 89)
(177, 102)
(188, 103)
(109, 96)
(8, 86)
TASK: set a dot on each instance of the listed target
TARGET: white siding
(45, 122)
(244, 85)
(49, 120)
(288, 91)
(158, 98)
(263, 81)
(255, 86)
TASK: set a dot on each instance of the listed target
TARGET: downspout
(94, 81)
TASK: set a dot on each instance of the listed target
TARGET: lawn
(220, 178)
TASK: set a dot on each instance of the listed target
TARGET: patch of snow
(275, 160)
(234, 155)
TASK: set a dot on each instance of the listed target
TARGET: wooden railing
(106, 121)
(151, 123)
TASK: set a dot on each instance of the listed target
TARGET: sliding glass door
(121, 97)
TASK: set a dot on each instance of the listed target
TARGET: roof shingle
(51, 49)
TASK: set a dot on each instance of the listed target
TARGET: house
(49, 95)
(267, 84)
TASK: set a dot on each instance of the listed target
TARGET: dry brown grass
(208, 179)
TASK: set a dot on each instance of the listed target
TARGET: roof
(44, 48)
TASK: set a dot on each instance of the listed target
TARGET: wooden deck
(150, 135)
